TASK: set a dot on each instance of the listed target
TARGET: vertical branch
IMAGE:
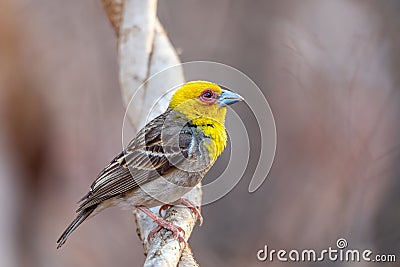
(114, 9)
(144, 50)
(164, 249)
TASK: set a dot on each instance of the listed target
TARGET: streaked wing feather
(146, 159)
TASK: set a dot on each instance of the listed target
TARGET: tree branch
(114, 9)
(144, 50)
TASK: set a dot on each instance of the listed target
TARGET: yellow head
(203, 101)
(204, 104)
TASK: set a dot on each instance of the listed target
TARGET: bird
(167, 158)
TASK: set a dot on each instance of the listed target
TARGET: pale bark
(144, 50)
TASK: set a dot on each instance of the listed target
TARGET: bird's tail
(82, 215)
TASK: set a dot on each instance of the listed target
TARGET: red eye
(207, 96)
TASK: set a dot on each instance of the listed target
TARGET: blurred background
(329, 70)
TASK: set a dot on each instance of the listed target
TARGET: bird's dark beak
(228, 97)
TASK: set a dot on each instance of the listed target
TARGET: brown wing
(146, 158)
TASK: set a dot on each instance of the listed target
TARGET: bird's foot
(161, 223)
(176, 230)
(183, 201)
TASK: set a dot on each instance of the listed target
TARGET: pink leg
(176, 230)
(183, 201)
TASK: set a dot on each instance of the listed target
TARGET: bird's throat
(217, 134)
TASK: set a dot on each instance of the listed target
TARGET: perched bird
(166, 159)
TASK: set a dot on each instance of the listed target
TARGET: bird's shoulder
(164, 144)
